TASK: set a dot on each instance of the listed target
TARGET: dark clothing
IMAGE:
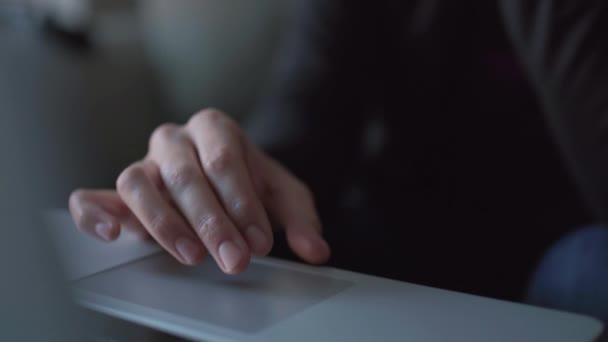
(425, 129)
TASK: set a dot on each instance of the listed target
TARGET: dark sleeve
(313, 118)
(564, 47)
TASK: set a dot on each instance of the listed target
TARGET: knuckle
(180, 176)
(130, 178)
(233, 126)
(77, 196)
(209, 115)
(219, 161)
(212, 229)
(164, 132)
(242, 209)
(161, 224)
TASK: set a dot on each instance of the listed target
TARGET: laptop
(277, 300)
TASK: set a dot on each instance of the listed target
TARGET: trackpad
(249, 302)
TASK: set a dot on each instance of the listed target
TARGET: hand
(203, 188)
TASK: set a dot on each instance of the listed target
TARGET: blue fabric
(573, 275)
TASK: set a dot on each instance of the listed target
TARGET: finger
(103, 214)
(137, 188)
(193, 195)
(219, 143)
(88, 214)
(291, 204)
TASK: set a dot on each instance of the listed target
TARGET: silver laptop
(275, 300)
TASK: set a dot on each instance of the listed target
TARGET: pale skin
(204, 190)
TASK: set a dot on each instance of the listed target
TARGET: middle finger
(220, 150)
(193, 195)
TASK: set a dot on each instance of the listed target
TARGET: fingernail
(256, 239)
(187, 249)
(104, 231)
(230, 255)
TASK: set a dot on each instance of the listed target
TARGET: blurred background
(95, 77)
